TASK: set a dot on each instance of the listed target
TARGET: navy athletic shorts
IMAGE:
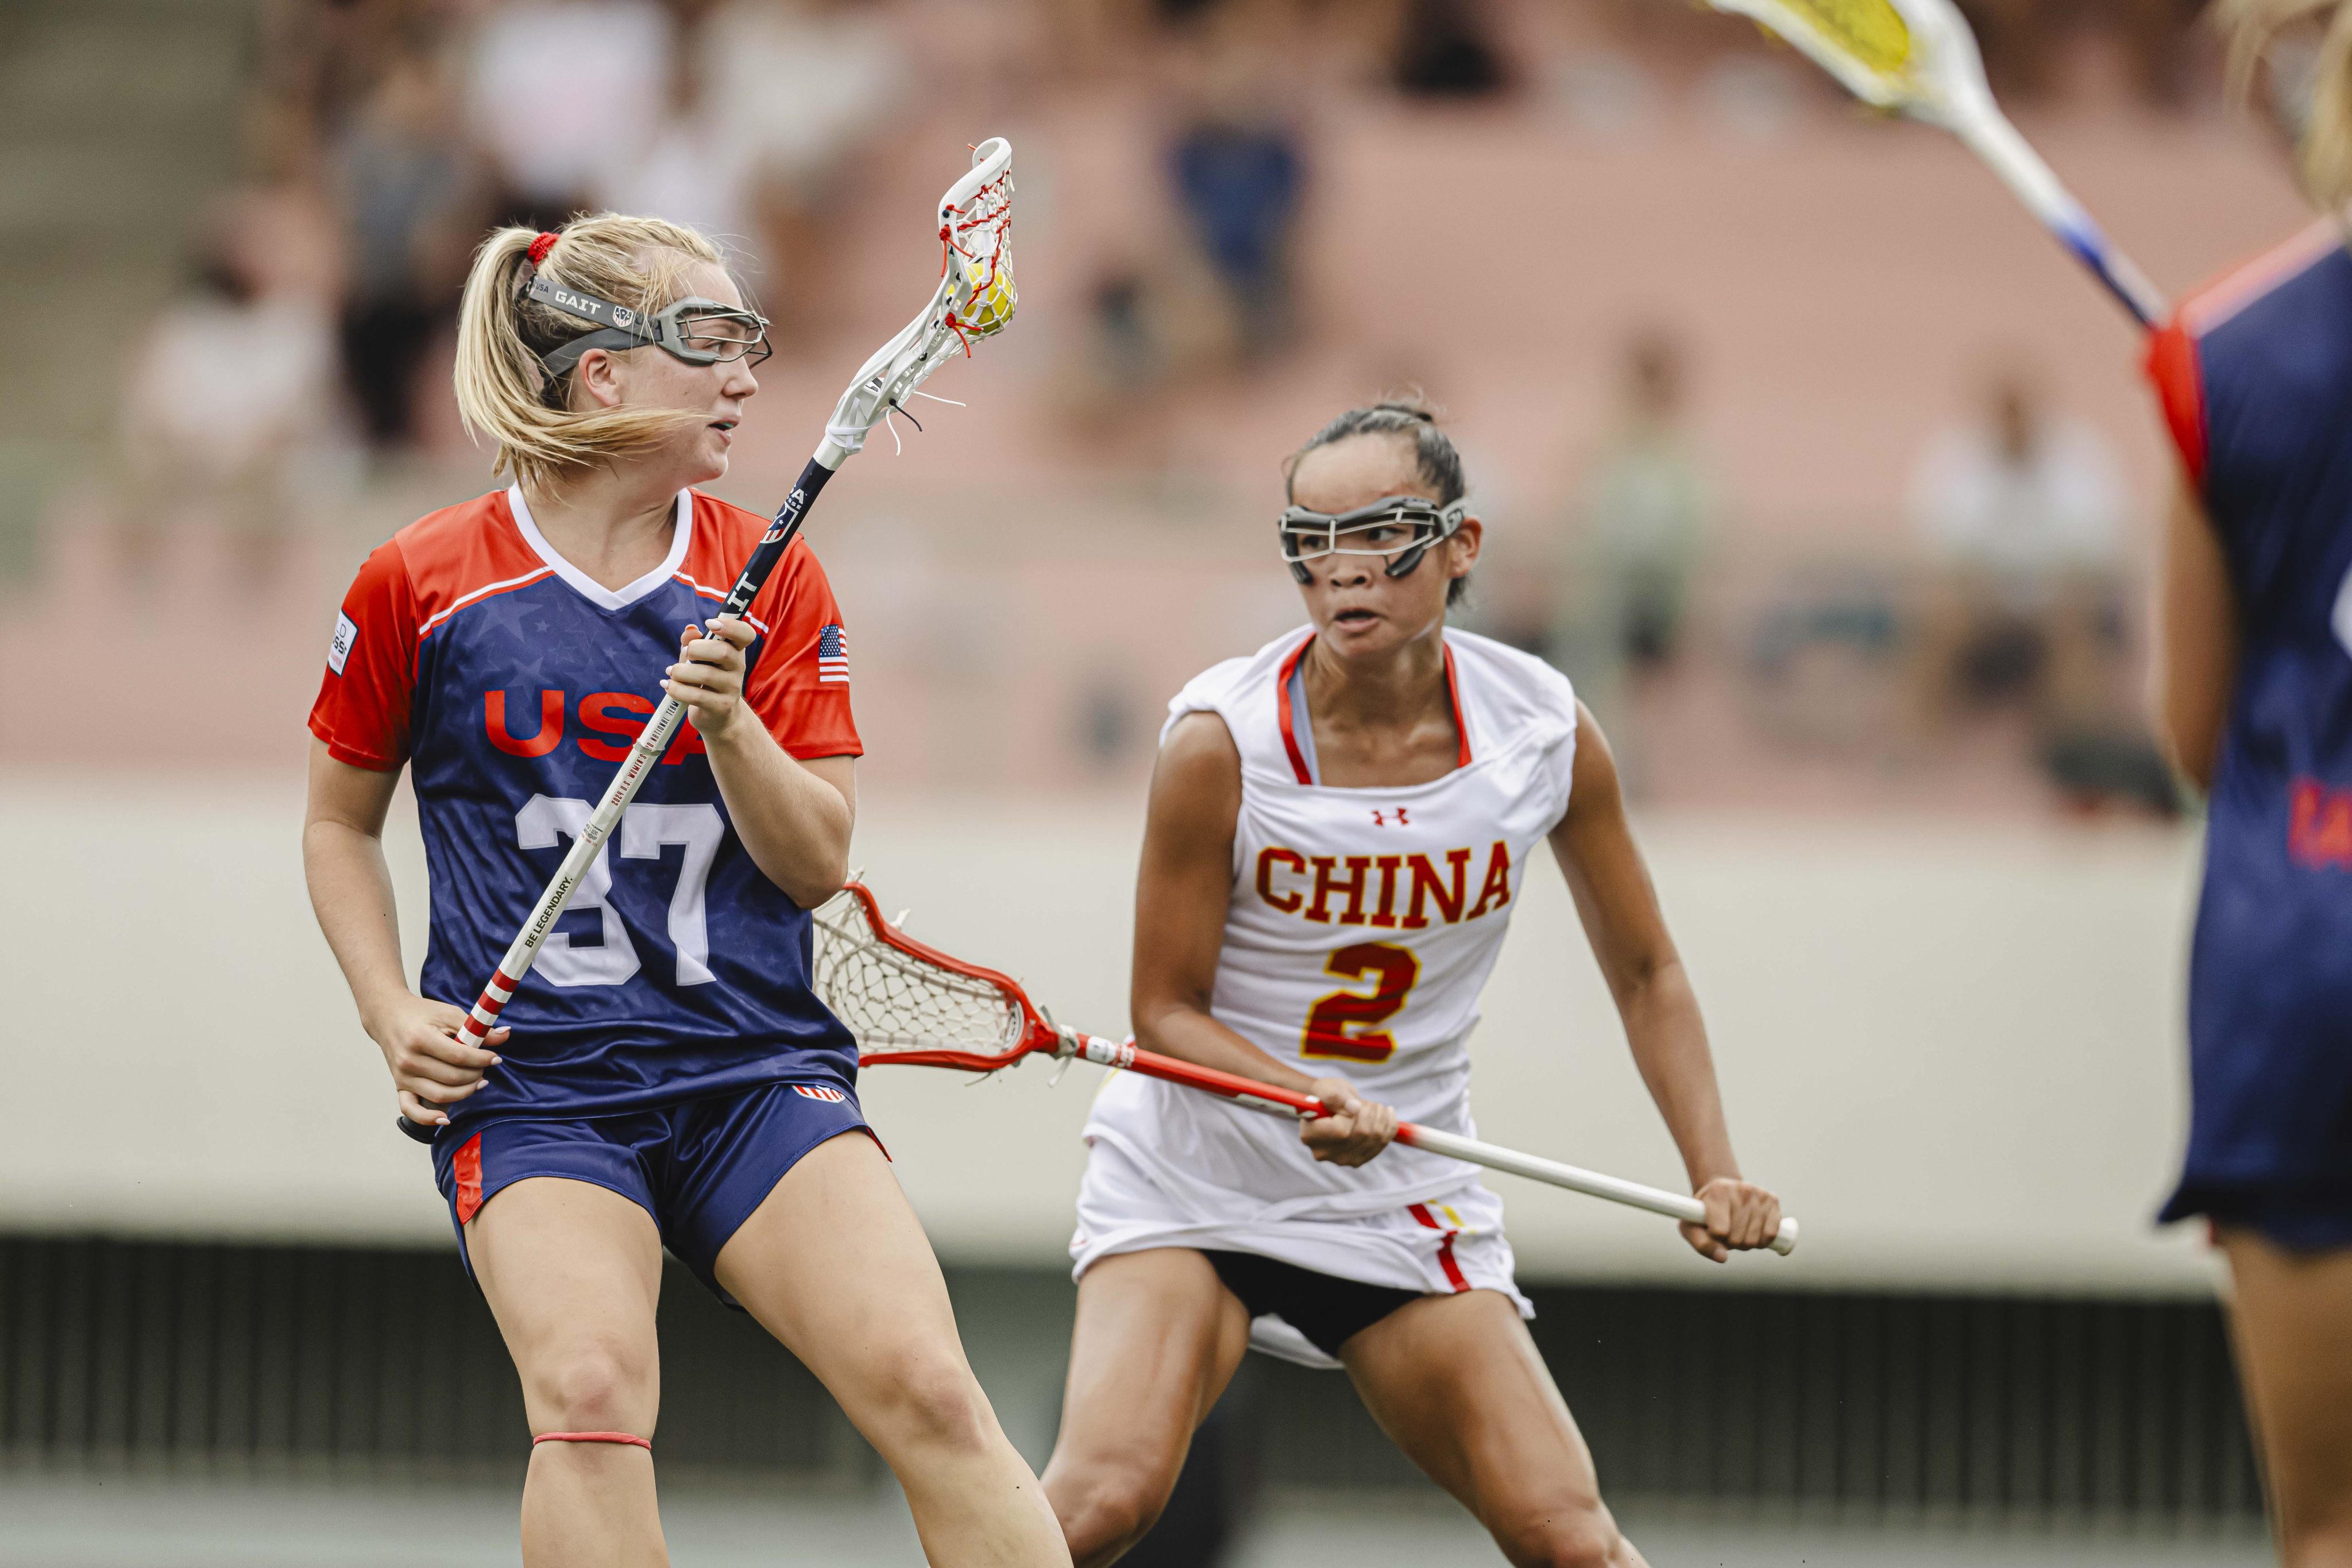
(2300, 1217)
(699, 1167)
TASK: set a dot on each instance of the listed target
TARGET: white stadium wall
(1955, 1048)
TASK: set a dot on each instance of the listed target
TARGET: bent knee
(597, 1388)
(1573, 1537)
(1105, 1507)
(932, 1406)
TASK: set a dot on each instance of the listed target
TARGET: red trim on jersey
(488, 591)
(454, 559)
(809, 718)
(1461, 724)
(467, 1169)
(2171, 365)
(1290, 735)
(2208, 306)
(1454, 1275)
(1282, 711)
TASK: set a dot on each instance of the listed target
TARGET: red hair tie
(541, 246)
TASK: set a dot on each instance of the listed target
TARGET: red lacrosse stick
(910, 1002)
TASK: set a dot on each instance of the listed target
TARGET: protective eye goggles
(1400, 529)
(699, 332)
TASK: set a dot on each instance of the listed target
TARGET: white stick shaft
(1453, 1146)
(650, 744)
(1989, 134)
(1591, 1183)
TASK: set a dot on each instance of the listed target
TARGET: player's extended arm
(1181, 893)
(350, 889)
(1619, 907)
(2197, 662)
(795, 817)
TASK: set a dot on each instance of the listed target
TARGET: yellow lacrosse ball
(993, 298)
(1872, 31)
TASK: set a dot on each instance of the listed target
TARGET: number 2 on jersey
(1347, 1023)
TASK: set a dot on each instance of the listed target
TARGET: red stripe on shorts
(467, 1167)
(1454, 1275)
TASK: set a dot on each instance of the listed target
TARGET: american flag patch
(833, 655)
(819, 1091)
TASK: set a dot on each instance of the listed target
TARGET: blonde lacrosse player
(664, 1076)
(2256, 374)
(1339, 828)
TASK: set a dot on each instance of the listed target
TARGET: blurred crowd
(384, 137)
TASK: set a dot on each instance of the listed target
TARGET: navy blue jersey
(2256, 378)
(511, 685)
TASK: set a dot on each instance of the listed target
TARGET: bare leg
(1456, 1382)
(1157, 1339)
(573, 1272)
(2293, 1322)
(835, 1265)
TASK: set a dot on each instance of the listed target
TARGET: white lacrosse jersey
(1362, 927)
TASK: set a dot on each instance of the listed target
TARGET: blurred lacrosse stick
(913, 1005)
(974, 299)
(1917, 58)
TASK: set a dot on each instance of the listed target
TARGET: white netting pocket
(978, 239)
(897, 1002)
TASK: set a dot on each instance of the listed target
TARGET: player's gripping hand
(430, 1066)
(1356, 1129)
(1740, 1217)
(709, 676)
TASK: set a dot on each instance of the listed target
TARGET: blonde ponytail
(503, 390)
(2324, 148)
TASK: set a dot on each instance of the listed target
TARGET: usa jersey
(511, 685)
(2255, 375)
(1362, 925)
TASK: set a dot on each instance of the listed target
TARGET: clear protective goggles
(1399, 529)
(698, 330)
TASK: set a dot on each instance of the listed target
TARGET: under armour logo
(1380, 818)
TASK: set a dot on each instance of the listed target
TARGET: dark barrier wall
(359, 1362)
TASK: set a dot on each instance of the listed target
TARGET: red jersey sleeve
(799, 687)
(363, 702)
(2180, 388)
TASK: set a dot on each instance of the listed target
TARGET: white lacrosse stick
(1918, 59)
(974, 299)
(909, 1004)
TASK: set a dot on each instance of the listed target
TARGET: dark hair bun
(1410, 420)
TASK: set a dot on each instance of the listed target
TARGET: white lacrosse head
(1906, 56)
(975, 299)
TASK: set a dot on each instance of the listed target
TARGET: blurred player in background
(1339, 827)
(664, 1076)
(2256, 374)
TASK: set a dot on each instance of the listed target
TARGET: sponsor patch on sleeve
(346, 634)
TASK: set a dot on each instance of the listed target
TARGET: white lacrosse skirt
(1130, 1202)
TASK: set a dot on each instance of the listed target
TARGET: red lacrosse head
(914, 1004)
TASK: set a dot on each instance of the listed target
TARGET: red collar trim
(1289, 726)
(1461, 722)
